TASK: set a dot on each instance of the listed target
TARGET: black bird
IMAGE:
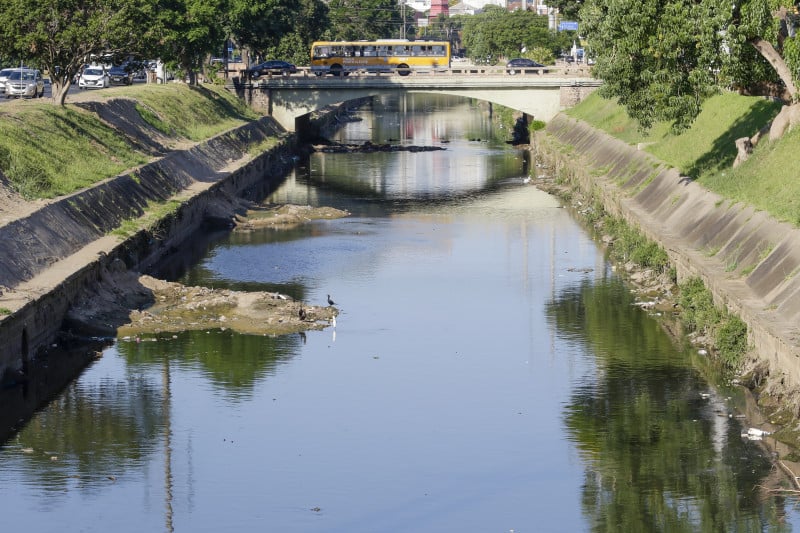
(330, 300)
(302, 314)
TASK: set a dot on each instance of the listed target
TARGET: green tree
(189, 30)
(59, 36)
(567, 9)
(497, 33)
(662, 59)
(364, 19)
(280, 28)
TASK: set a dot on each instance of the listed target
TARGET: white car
(4, 74)
(94, 78)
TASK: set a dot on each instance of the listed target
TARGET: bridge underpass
(540, 96)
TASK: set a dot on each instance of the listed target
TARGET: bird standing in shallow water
(330, 300)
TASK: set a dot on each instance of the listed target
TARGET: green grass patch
(698, 312)
(5, 311)
(196, 113)
(48, 150)
(765, 180)
(706, 151)
(608, 116)
(154, 213)
(631, 245)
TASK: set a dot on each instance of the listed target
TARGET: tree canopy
(498, 33)
(59, 35)
(662, 59)
(188, 31)
(364, 19)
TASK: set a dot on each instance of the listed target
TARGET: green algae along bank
(748, 259)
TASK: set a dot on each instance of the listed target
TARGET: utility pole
(403, 16)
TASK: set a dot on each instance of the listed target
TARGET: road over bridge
(540, 93)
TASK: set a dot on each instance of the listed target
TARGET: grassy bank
(48, 150)
(706, 151)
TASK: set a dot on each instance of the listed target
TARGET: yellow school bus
(389, 55)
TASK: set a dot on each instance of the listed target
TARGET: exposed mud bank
(125, 303)
(750, 262)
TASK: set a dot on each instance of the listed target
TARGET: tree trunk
(59, 92)
(769, 53)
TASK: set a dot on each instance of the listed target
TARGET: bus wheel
(336, 70)
(403, 70)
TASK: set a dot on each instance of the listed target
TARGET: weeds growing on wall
(698, 313)
(631, 245)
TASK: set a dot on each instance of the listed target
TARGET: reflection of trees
(95, 431)
(659, 458)
(233, 363)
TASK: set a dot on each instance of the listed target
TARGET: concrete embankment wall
(50, 256)
(749, 261)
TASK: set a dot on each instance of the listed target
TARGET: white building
(471, 7)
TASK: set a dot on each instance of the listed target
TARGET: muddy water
(487, 372)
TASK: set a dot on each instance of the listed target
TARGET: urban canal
(488, 372)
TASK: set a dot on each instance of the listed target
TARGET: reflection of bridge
(541, 96)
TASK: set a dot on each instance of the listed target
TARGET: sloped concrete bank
(749, 261)
(50, 256)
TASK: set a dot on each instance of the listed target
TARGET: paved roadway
(47, 93)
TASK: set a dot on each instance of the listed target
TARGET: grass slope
(706, 151)
(48, 150)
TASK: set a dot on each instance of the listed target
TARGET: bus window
(369, 51)
(400, 50)
(321, 52)
(438, 50)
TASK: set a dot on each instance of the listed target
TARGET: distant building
(472, 7)
(483, 3)
(439, 7)
(463, 8)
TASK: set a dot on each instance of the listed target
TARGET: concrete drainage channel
(54, 254)
(704, 235)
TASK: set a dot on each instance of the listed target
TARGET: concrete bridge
(539, 93)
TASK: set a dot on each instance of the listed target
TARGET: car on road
(274, 66)
(120, 75)
(4, 74)
(521, 63)
(93, 78)
(25, 82)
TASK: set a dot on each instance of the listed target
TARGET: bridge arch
(541, 97)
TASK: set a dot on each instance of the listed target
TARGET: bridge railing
(572, 71)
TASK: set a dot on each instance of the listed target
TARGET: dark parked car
(271, 67)
(521, 63)
(120, 75)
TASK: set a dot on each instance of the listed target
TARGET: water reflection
(659, 454)
(232, 364)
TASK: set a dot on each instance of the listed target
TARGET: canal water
(488, 372)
